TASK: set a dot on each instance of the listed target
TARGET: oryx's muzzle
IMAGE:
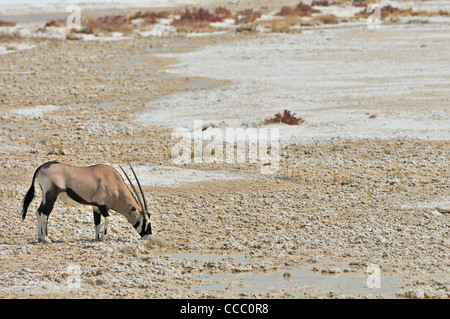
(143, 226)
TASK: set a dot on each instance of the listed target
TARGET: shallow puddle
(294, 282)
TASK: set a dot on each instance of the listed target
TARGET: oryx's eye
(132, 208)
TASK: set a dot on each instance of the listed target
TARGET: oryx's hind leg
(42, 214)
(98, 212)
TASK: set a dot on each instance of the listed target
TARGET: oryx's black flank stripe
(74, 196)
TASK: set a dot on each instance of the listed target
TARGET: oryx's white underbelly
(66, 199)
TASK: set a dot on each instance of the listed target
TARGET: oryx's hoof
(44, 240)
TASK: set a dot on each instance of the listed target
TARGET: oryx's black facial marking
(143, 226)
(147, 226)
(149, 229)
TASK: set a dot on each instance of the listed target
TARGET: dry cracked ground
(333, 209)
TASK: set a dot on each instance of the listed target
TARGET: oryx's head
(142, 224)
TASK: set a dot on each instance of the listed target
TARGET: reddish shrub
(108, 23)
(247, 16)
(4, 23)
(52, 23)
(301, 10)
(323, 3)
(197, 16)
(222, 13)
(9, 37)
(287, 117)
(150, 17)
(389, 10)
(198, 19)
(386, 11)
(286, 12)
(305, 10)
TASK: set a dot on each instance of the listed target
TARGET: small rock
(71, 36)
(287, 276)
(334, 270)
(99, 282)
(316, 269)
(435, 213)
(443, 209)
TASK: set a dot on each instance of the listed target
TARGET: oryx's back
(96, 184)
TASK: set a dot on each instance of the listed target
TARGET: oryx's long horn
(140, 188)
(132, 186)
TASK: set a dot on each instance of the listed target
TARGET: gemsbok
(100, 186)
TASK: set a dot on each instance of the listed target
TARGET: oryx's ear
(132, 208)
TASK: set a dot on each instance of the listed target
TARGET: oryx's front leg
(98, 212)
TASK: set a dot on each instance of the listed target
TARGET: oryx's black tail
(29, 196)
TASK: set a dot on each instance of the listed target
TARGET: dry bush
(287, 117)
(107, 24)
(150, 17)
(222, 13)
(198, 19)
(284, 25)
(4, 23)
(322, 3)
(386, 11)
(327, 19)
(7, 38)
(390, 11)
(286, 12)
(246, 16)
(431, 13)
(301, 10)
(52, 23)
